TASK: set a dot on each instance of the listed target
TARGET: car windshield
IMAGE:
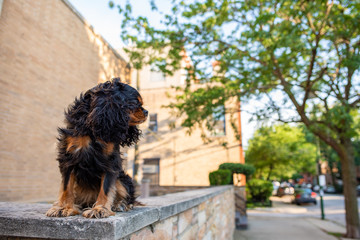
(307, 190)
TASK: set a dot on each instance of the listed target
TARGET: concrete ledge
(172, 204)
(29, 220)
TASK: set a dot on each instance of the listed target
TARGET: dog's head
(114, 111)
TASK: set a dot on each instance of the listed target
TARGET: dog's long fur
(97, 124)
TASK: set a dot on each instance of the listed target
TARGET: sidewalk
(284, 228)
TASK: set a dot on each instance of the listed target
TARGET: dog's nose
(145, 112)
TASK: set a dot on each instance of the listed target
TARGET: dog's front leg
(104, 200)
(65, 206)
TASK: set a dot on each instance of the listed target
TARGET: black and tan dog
(97, 124)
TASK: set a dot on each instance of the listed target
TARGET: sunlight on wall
(110, 62)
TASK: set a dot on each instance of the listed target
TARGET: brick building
(170, 157)
(48, 55)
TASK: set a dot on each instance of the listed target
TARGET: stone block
(145, 233)
(29, 220)
(185, 219)
(161, 231)
(208, 236)
(190, 233)
(201, 232)
(201, 218)
(202, 206)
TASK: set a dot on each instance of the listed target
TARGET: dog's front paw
(98, 212)
(122, 207)
(57, 211)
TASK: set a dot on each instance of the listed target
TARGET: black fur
(103, 112)
(102, 115)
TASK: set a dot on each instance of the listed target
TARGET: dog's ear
(109, 116)
(133, 136)
(77, 113)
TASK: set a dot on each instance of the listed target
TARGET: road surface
(288, 221)
(334, 208)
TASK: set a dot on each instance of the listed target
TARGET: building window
(151, 170)
(219, 128)
(153, 123)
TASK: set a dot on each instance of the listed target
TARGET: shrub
(296, 176)
(245, 169)
(259, 190)
(220, 177)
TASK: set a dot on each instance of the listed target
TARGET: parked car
(304, 195)
(276, 185)
(330, 189)
(316, 188)
(285, 191)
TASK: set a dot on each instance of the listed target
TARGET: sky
(107, 21)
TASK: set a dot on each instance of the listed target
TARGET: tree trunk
(333, 179)
(349, 181)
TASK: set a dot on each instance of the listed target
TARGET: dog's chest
(93, 163)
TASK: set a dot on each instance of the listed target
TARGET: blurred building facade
(48, 55)
(168, 156)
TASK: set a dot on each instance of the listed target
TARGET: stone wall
(48, 56)
(198, 214)
(162, 190)
(211, 219)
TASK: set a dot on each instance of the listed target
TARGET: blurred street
(289, 221)
(334, 208)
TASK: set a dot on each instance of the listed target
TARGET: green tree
(329, 154)
(281, 151)
(259, 190)
(306, 52)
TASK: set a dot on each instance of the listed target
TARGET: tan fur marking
(103, 199)
(108, 148)
(121, 190)
(103, 203)
(67, 196)
(85, 197)
(120, 203)
(66, 204)
(137, 117)
(77, 143)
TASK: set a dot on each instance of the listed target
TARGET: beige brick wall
(48, 55)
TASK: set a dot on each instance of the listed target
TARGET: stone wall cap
(29, 220)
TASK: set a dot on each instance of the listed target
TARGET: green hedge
(250, 204)
(220, 177)
(259, 190)
(238, 168)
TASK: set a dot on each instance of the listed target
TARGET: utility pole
(321, 178)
